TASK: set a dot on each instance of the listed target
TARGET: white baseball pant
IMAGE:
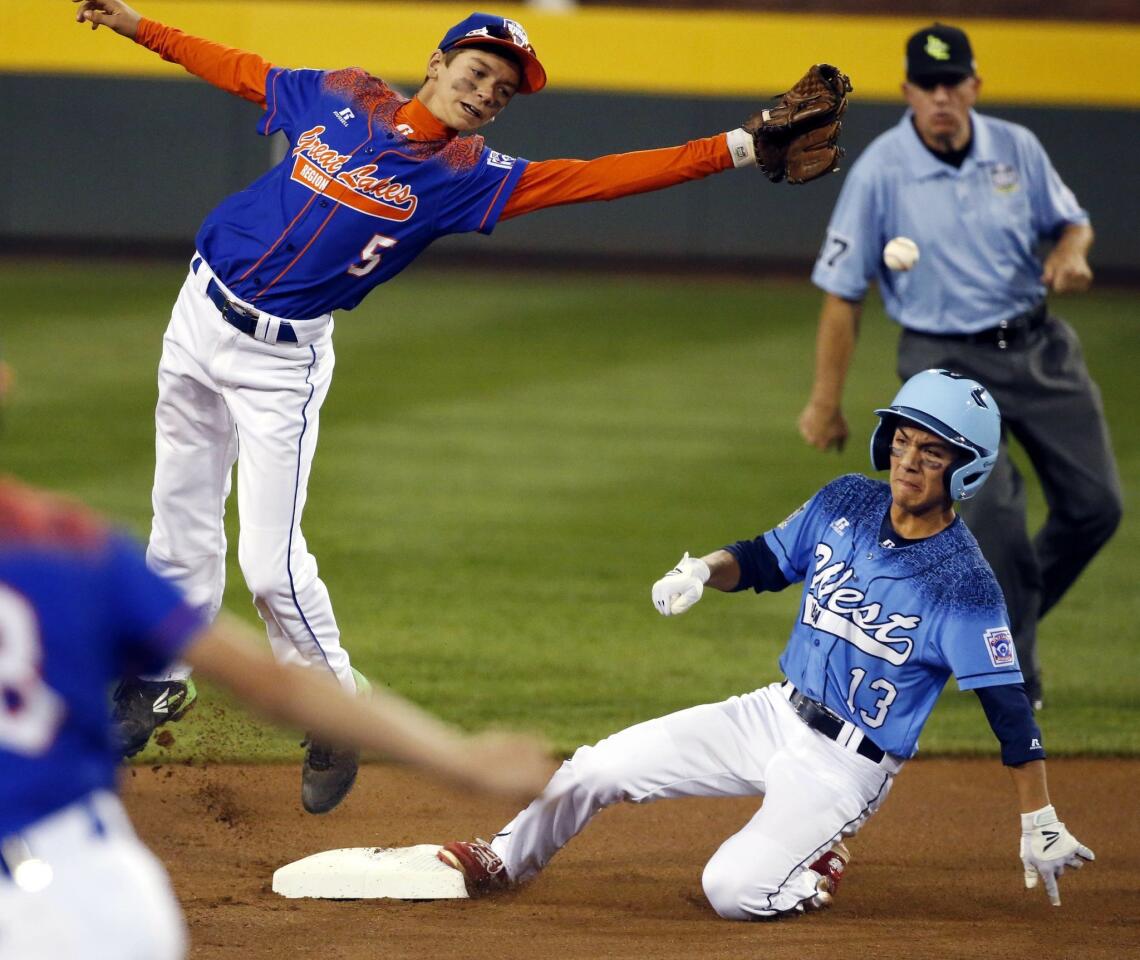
(224, 396)
(814, 790)
(106, 896)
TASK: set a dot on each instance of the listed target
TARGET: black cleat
(327, 775)
(139, 707)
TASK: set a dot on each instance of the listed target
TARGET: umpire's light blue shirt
(977, 227)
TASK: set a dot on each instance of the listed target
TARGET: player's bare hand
(1066, 271)
(681, 587)
(1047, 848)
(823, 427)
(508, 764)
(108, 13)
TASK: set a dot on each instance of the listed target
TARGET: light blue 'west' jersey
(977, 227)
(880, 629)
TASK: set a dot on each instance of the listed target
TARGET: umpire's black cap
(939, 53)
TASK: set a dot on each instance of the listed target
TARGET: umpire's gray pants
(1053, 408)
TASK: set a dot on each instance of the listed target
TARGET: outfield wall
(115, 147)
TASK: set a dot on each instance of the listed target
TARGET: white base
(361, 873)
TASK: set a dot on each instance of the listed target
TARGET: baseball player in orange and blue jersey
(369, 180)
(78, 606)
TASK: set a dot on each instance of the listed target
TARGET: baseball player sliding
(369, 180)
(896, 599)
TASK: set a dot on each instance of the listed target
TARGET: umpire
(978, 195)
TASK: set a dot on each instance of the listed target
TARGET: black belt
(822, 720)
(237, 316)
(1006, 333)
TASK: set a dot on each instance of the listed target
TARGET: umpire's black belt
(822, 720)
(1005, 334)
(237, 316)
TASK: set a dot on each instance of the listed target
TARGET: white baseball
(900, 253)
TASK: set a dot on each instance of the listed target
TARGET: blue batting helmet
(957, 409)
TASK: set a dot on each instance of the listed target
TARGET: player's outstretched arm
(507, 764)
(235, 71)
(684, 585)
(113, 14)
(1047, 847)
(796, 139)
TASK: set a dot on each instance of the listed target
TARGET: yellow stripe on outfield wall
(601, 48)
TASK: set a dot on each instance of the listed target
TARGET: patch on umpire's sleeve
(999, 644)
(834, 249)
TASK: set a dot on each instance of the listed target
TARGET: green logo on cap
(936, 48)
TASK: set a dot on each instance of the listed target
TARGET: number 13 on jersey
(882, 704)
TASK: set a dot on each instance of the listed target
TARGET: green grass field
(502, 477)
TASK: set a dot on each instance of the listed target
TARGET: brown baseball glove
(798, 139)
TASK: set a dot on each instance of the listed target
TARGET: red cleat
(483, 870)
(830, 868)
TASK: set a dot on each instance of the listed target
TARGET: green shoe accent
(186, 701)
(363, 685)
(142, 706)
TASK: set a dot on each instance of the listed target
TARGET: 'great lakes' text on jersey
(353, 202)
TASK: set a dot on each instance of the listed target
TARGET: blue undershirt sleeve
(759, 568)
(1011, 719)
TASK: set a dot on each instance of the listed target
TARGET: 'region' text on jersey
(354, 200)
(881, 628)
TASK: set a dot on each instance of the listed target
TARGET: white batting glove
(681, 587)
(1047, 848)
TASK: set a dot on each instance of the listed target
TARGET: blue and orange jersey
(372, 177)
(78, 609)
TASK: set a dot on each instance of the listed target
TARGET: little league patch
(999, 643)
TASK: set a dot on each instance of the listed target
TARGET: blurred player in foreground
(979, 196)
(370, 179)
(896, 599)
(78, 607)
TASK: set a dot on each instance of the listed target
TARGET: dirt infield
(935, 874)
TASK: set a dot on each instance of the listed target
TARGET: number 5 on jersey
(371, 254)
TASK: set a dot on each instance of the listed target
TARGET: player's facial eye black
(930, 459)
